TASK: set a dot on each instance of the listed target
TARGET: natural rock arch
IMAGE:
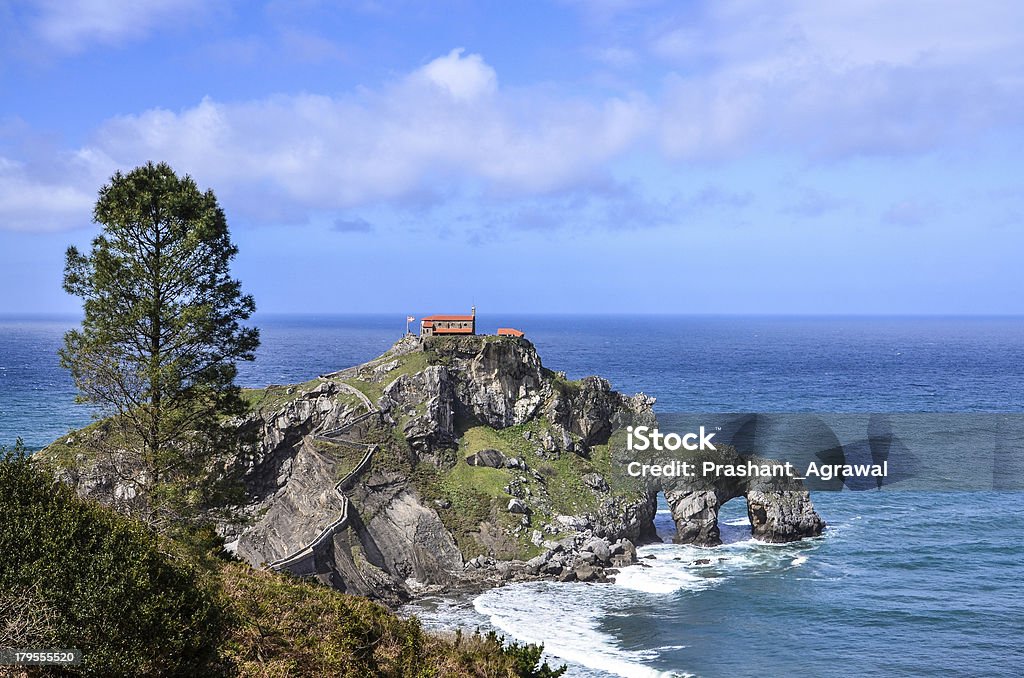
(779, 509)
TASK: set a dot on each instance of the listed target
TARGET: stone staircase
(302, 562)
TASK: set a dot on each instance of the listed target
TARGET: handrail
(342, 520)
(342, 429)
(328, 531)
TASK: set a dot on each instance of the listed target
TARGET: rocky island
(451, 462)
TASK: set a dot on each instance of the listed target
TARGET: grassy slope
(292, 627)
(289, 627)
(477, 494)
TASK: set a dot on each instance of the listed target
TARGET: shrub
(99, 582)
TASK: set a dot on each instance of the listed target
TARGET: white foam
(564, 618)
(738, 522)
(660, 579)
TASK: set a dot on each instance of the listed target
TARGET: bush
(74, 574)
(297, 627)
(98, 582)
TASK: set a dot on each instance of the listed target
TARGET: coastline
(969, 537)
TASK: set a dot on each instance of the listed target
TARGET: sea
(915, 582)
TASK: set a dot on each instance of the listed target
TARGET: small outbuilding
(510, 332)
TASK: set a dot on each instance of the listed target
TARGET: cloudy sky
(729, 156)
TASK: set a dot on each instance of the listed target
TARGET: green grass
(300, 628)
(410, 363)
(345, 457)
(486, 481)
(477, 494)
(173, 604)
(371, 390)
(92, 442)
(276, 396)
(567, 387)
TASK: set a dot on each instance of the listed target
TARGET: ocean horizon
(900, 583)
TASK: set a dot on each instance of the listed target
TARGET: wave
(737, 522)
(673, 568)
(565, 618)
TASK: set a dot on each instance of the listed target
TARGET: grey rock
(623, 553)
(596, 481)
(600, 548)
(490, 458)
(779, 508)
(534, 564)
(518, 506)
(552, 567)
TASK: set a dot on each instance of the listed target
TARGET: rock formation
(779, 508)
(457, 460)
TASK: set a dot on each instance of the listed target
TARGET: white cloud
(32, 203)
(440, 127)
(727, 79)
(71, 25)
(332, 152)
(464, 78)
(838, 78)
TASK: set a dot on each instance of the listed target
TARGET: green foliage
(293, 627)
(104, 583)
(526, 659)
(75, 574)
(162, 330)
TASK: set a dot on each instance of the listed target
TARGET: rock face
(368, 480)
(398, 540)
(779, 508)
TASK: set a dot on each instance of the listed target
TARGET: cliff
(453, 461)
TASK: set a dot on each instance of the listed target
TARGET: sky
(628, 156)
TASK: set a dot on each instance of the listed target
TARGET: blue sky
(792, 156)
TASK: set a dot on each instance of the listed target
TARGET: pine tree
(162, 331)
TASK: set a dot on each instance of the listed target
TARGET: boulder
(518, 506)
(623, 553)
(490, 458)
(595, 482)
(600, 548)
(534, 564)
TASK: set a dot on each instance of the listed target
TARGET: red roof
(448, 317)
(509, 332)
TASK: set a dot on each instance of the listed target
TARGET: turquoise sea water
(902, 583)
